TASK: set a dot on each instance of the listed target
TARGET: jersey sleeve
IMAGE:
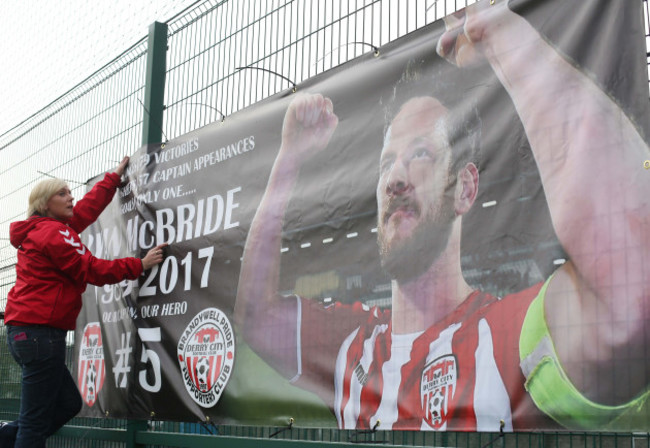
(552, 390)
(505, 318)
(88, 208)
(68, 253)
(322, 330)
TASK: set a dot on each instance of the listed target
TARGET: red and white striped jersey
(461, 374)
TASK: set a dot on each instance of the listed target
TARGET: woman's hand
(153, 257)
(122, 166)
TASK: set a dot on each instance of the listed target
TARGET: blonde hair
(42, 193)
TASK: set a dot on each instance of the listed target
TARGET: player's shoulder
(514, 302)
(374, 312)
(525, 294)
(361, 310)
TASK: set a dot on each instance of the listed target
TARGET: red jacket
(54, 266)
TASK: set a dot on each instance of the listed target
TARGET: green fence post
(132, 429)
(154, 96)
(154, 93)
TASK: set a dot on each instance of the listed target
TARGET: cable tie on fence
(67, 180)
(431, 6)
(223, 116)
(289, 427)
(154, 121)
(208, 425)
(502, 425)
(211, 423)
(151, 423)
(375, 48)
(271, 71)
(373, 430)
(98, 423)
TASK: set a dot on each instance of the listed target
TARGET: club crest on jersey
(206, 354)
(437, 389)
(91, 371)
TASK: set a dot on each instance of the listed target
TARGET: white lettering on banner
(165, 155)
(174, 309)
(119, 315)
(172, 172)
(149, 310)
(137, 163)
(224, 153)
(113, 293)
(150, 357)
(106, 244)
(169, 274)
(122, 367)
(165, 309)
(160, 174)
(175, 152)
(185, 222)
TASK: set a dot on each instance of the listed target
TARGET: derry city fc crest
(437, 389)
(91, 371)
(206, 353)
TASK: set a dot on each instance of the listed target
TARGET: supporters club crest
(91, 372)
(206, 353)
(437, 389)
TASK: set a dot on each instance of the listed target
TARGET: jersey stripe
(461, 374)
(356, 368)
(491, 400)
(341, 380)
(298, 340)
(400, 353)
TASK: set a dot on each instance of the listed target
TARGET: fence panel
(222, 56)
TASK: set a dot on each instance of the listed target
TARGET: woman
(52, 272)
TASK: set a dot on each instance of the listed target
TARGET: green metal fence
(208, 62)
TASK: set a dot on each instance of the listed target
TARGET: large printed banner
(450, 235)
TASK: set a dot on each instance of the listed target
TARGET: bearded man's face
(415, 193)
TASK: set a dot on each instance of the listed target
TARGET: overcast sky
(48, 47)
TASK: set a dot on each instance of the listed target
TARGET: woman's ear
(466, 188)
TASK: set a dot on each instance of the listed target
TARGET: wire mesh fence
(222, 56)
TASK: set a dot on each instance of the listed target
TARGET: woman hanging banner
(450, 235)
